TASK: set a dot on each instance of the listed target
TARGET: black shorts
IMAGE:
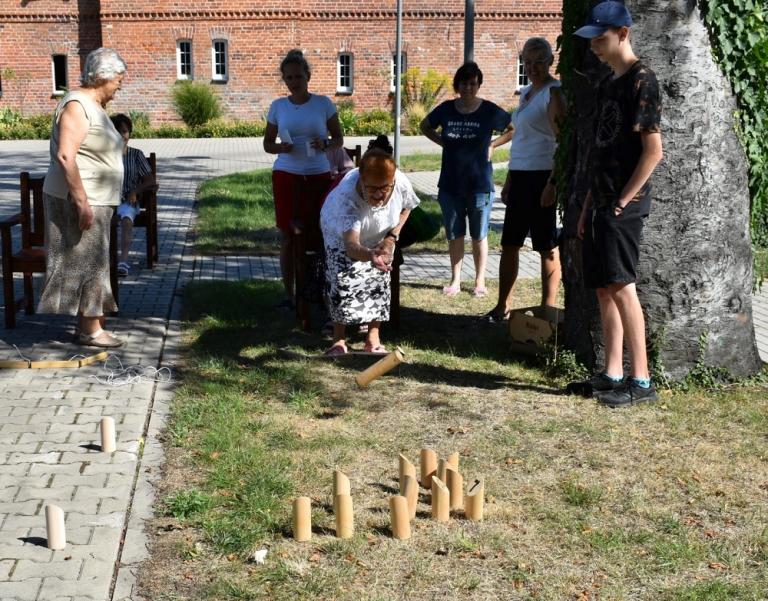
(525, 214)
(611, 246)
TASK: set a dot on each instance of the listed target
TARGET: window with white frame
(522, 78)
(59, 72)
(219, 60)
(184, 59)
(344, 73)
(393, 65)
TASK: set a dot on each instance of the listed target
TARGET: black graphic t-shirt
(627, 106)
(465, 166)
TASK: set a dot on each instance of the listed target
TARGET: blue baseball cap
(604, 16)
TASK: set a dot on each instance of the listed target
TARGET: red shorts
(299, 197)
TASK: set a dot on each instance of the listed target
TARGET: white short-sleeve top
(345, 210)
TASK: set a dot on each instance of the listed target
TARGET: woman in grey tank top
(81, 190)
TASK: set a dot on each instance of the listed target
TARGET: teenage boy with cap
(627, 148)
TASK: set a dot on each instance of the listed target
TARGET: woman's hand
(318, 144)
(548, 195)
(381, 259)
(284, 147)
(84, 215)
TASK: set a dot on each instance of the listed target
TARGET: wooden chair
(147, 218)
(355, 154)
(30, 258)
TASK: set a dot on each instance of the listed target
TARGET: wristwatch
(391, 234)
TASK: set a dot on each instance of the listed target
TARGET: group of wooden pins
(441, 477)
(54, 515)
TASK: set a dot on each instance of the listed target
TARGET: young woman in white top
(307, 124)
(529, 190)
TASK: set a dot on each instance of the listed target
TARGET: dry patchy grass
(658, 502)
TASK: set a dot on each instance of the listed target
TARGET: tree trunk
(695, 271)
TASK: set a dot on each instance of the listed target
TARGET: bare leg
(339, 335)
(633, 323)
(613, 332)
(126, 227)
(508, 268)
(286, 264)
(89, 325)
(372, 339)
(456, 253)
(550, 276)
(480, 255)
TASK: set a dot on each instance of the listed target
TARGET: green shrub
(9, 117)
(347, 116)
(218, 128)
(19, 131)
(170, 131)
(140, 119)
(374, 122)
(195, 102)
(414, 115)
(42, 125)
(425, 89)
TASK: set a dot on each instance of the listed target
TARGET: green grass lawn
(661, 502)
(431, 162)
(236, 216)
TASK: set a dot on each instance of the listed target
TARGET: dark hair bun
(381, 142)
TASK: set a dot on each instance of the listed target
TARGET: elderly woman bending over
(80, 193)
(361, 221)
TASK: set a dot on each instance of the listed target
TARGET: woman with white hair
(529, 190)
(80, 193)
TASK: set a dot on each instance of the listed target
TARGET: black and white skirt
(357, 291)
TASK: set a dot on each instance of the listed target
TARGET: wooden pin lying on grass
(108, 435)
(399, 516)
(474, 501)
(345, 522)
(382, 366)
(302, 519)
(54, 527)
(441, 501)
(428, 466)
(405, 468)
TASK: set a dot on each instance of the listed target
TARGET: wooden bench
(30, 258)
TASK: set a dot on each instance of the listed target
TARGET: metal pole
(469, 30)
(398, 78)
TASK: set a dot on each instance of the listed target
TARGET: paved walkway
(49, 418)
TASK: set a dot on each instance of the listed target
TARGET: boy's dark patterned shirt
(627, 106)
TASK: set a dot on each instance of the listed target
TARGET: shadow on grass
(239, 323)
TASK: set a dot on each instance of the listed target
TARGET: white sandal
(99, 339)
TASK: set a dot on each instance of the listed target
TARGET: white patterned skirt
(77, 261)
(357, 291)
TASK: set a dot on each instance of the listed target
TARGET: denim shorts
(126, 209)
(457, 208)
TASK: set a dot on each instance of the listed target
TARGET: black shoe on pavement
(628, 394)
(598, 383)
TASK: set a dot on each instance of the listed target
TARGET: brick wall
(145, 33)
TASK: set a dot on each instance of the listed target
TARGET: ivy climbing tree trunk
(695, 271)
